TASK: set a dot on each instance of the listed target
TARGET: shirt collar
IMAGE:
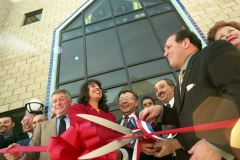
(61, 116)
(186, 61)
(130, 116)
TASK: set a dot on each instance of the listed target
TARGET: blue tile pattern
(192, 21)
(50, 86)
(56, 31)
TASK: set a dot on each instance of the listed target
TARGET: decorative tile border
(189, 20)
(55, 44)
(51, 83)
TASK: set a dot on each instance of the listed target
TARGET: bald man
(27, 128)
(37, 119)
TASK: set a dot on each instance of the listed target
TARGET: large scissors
(114, 145)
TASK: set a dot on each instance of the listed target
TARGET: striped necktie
(181, 75)
(125, 122)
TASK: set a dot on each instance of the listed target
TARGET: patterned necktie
(168, 105)
(125, 122)
(181, 75)
(62, 125)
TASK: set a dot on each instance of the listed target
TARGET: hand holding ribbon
(81, 140)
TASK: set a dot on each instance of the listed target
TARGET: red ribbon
(202, 127)
(73, 143)
(84, 138)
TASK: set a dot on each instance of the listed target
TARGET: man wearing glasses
(27, 128)
(128, 102)
(37, 119)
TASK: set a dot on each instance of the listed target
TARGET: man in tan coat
(61, 100)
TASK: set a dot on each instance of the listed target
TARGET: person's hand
(148, 148)
(202, 151)
(13, 156)
(148, 113)
(166, 147)
(119, 154)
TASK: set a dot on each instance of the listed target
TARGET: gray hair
(62, 91)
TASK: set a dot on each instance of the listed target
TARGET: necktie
(125, 122)
(181, 75)
(168, 105)
(62, 125)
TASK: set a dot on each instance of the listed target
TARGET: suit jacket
(143, 156)
(210, 92)
(13, 138)
(41, 137)
(2, 140)
(130, 124)
(24, 142)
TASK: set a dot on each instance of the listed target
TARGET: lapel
(52, 127)
(185, 79)
(119, 121)
(130, 124)
(177, 97)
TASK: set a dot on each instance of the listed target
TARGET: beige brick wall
(25, 50)
(5, 7)
(207, 12)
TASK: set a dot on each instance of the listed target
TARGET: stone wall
(25, 50)
(5, 7)
(207, 12)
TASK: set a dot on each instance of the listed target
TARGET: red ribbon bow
(78, 141)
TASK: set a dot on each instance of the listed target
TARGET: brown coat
(41, 137)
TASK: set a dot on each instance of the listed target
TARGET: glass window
(139, 43)
(71, 34)
(73, 87)
(117, 113)
(166, 24)
(112, 94)
(130, 17)
(120, 43)
(117, 77)
(124, 6)
(74, 100)
(71, 60)
(152, 2)
(147, 86)
(100, 10)
(159, 9)
(148, 69)
(99, 26)
(103, 52)
(33, 17)
(77, 22)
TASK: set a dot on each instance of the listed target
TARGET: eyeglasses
(38, 121)
(126, 98)
(26, 120)
(147, 104)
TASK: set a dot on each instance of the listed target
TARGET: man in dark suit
(27, 128)
(128, 102)
(6, 126)
(208, 91)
